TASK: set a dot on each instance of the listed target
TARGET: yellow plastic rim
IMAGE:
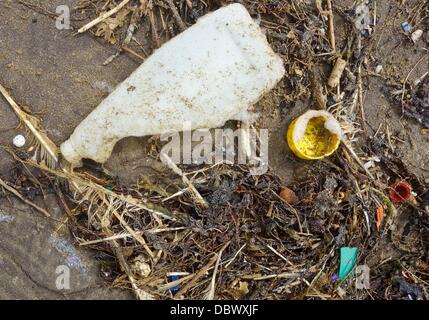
(317, 141)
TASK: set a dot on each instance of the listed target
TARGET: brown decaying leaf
(288, 195)
(107, 27)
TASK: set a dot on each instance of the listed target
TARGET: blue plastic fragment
(348, 260)
(406, 27)
(175, 288)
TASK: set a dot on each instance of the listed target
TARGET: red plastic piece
(400, 192)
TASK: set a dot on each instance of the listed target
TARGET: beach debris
(15, 192)
(337, 72)
(380, 215)
(45, 150)
(169, 90)
(348, 260)
(331, 25)
(289, 195)
(19, 141)
(103, 86)
(314, 135)
(400, 191)
(176, 288)
(240, 290)
(411, 290)
(140, 267)
(417, 107)
(341, 292)
(406, 27)
(378, 69)
(416, 35)
(371, 163)
(362, 20)
(103, 16)
(106, 28)
(336, 186)
(425, 202)
(5, 217)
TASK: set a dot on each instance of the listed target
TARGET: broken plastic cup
(314, 135)
(209, 74)
(400, 191)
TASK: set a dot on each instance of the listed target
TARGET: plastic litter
(19, 141)
(406, 27)
(412, 290)
(362, 20)
(177, 287)
(378, 69)
(314, 135)
(401, 192)
(207, 75)
(348, 260)
(416, 35)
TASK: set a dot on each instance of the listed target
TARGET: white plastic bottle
(207, 75)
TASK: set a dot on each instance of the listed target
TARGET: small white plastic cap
(19, 141)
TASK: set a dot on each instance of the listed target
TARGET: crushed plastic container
(314, 135)
(205, 76)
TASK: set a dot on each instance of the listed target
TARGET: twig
(189, 3)
(30, 122)
(140, 294)
(279, 254)
(103, 16)
(132, 52)
(128, 235)
(79, 184)
(321, 269)
(406, 79)
(200, 273)
(197, 196)
(358, 160)
(360, 86)
(331, 26)
(375, 15)
(291, 209)
(287, 275)
(235, 256)
(210, 295)
(176, 15)
(136, 236)
(179, 193)
(155, 37)
(64, 203)
(16, 193)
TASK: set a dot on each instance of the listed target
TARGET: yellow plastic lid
(314, 135)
